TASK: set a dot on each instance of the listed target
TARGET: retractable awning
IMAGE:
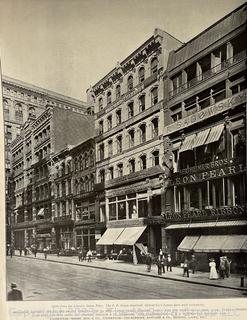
(188, 243)
(215, 133)
(187, 144)
(210, 243)
(41, 212)
(201, 138)
(234, 243)
(207, 224)
(110, 236)
(130, 236)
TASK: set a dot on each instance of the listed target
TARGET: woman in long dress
(213, 273)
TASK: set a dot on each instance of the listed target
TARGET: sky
(67, 45)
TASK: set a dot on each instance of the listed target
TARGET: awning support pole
(134, 255)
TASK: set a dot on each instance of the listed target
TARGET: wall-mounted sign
(230, 212)
(206, 113)
(223, 168)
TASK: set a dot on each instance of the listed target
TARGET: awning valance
(110, 236)
(201, 138)
(210, 243)
(208, 224)
(130, 236)
(188, 243)
(187, 144)
(215, 134)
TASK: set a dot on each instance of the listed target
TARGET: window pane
(142, 208)
(121, 210)
(112, 211)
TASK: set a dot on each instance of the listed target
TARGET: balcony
(208, 74)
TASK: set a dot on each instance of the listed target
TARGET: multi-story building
(22, 101)
(74, 197)
(205, 134)
(32, 151)
(128, 107)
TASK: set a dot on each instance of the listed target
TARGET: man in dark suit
(14, 294)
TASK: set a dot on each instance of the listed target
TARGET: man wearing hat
(14, 294)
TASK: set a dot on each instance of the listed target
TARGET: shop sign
(207, 175)
(207, 112)
(229, 212)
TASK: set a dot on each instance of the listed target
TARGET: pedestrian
(11, 250)
(58, 252)
(159, 266)
(186, 267)
(89, 255)
(20, 250)
(80, 255)
(84, 254)
(193, 264)
(169, 263)
(148, 262)
(35, 251)
(227, 266)
(25, 251)
(14, 294)
(222, 268)
(163, 263)
(213, 273)
(45, 252)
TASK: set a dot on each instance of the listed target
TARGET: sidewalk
(233, 282)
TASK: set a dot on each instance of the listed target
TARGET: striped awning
(188, 243)
(201, 138)
(110, 236)
(188, 142)
(210, 243)
(130, 236)
(234, 243)
(215, 134)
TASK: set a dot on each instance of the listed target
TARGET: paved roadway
(44, 280)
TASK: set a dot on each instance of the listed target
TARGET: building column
(151, 240)
(164, 243)
(229, 52)
(150, 193)
(25, 238)
(67, 207)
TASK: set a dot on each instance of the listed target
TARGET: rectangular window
(112, 211)
(121, 210)
(142, 208)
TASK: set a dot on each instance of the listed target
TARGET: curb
(139, 273)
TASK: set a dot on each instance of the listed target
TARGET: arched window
(109, 122)
(118, 91)
(119, 144)
(31, 111)
(130, 83)
(86, 160)
(142, 133)
(108, 97)
(118, 116)
(120, 169)
(6, 109)
(76, 164)
(101, 152)
(80, 162)
(143, 160)
(131, 138)
(100, 103)
(155, 127)
(155, 156)
(86, 184)
(141, 74)
(82, 185)
(18, 113)
(102, 176)
(132, 165)
(142, 103)
(111, 173)
(130, 107)
(154, 96)
(154, 66)
(101, 126)
(110, 148)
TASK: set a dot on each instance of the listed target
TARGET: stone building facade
(128, 107)
(205, 131)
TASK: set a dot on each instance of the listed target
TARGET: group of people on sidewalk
(163, 262)
(223, 268)
(85, 255)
